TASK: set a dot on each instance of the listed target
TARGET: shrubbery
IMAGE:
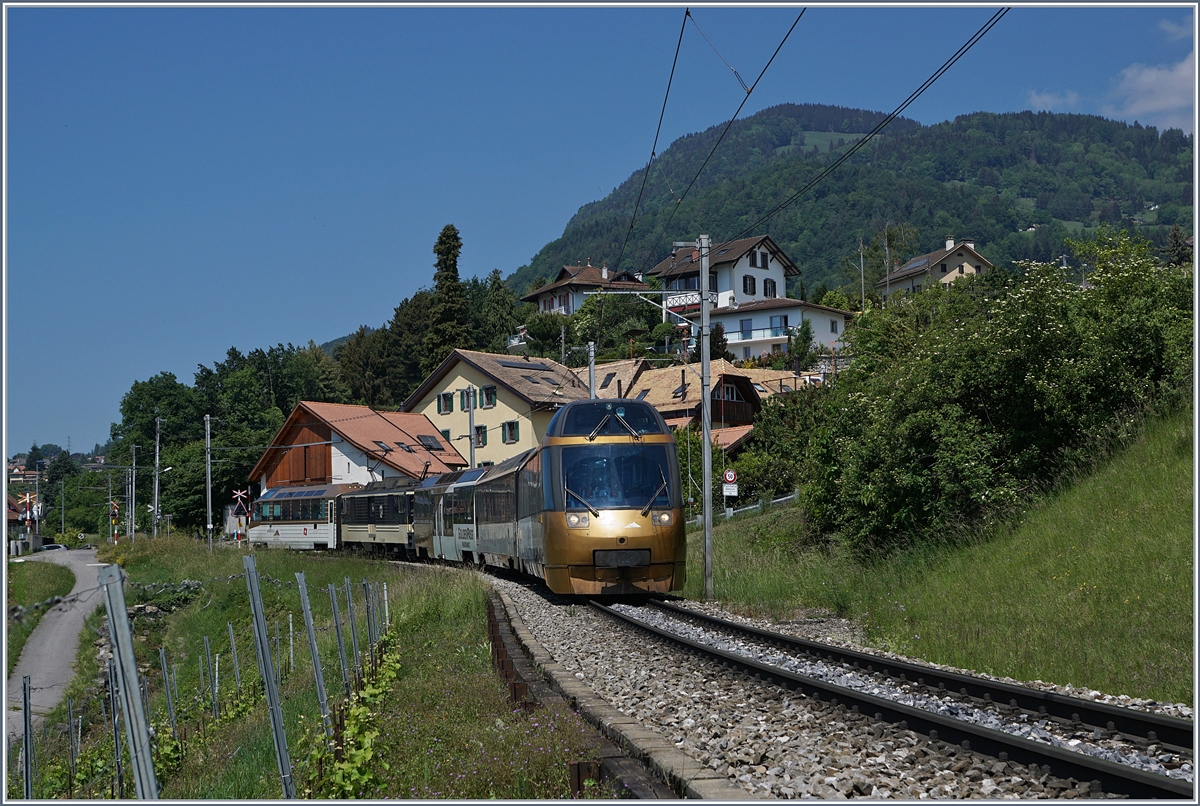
(963, 401)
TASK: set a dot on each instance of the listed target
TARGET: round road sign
(730, 476)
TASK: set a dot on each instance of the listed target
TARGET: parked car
(54, 547)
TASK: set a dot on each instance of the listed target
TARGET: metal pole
(353, 628)
(237, 672)
(337, 628)
(291, 646)
(62, 494)
(370, 626)
(469, 394)
(263, 651)
(71, 748)
(862, 277)
(592, 369)
(318, 674)
(387, 617)
(112, 706)
(157, 426)
(27, 739)
(133, 498)
(162, 661)
(278, 657)
(208, 477)
(137, 732)
(212, 678)
(706, 416)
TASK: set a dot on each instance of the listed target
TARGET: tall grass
(447, 695)
(1091, 587)
(28, 583)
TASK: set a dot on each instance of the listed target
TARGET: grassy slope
(1093, 587)
(28, 583)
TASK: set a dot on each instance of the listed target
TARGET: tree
(802, 348)
(448, 319)
(718, 346)
(364, 362)
(33, 457)
(497, 314)
(1178, 252)
(835, 299)
(409, 323)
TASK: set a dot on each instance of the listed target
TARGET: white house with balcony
(565, 294)
(749, 277)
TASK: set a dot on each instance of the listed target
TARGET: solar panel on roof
(430, 442)
(920, 262)
(523, 365)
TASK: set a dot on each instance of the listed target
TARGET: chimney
(683, 383)
(619, 388)
(949, 242)
(969, 243)
(604, 272)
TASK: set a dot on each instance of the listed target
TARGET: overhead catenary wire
(728, 125)
(987, 26)
(654, 147)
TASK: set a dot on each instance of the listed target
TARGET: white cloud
(1053, 101)
(1176, 30)
(1161, 95)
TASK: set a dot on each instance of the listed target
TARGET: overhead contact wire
(654, 148)
(880, 126)
(724, 132)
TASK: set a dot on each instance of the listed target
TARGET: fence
(758, 507)
(116, 741)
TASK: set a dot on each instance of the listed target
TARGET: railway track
(1101, 720)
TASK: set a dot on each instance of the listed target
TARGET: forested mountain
(1018, 183)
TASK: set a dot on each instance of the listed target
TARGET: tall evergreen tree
(1178, 252)
(410, 321)
(498, 313)
(448, 319)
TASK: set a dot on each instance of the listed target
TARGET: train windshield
(609, 419)
(616, 476)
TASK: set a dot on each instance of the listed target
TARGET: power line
(654, 148)
(725, 131)
(880, 126)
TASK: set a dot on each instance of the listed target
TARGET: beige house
(943, 266)
(513, 400)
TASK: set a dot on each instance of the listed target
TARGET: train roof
(613, 416)
(454, 477)
(318, 491)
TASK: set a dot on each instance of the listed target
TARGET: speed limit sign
(730, 476)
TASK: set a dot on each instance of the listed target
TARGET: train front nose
(624, 552)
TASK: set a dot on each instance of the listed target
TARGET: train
(596, 509)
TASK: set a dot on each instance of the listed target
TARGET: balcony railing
(756, 334)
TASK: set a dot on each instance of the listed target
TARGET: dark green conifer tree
(448, 318)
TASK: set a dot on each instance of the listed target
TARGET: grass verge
(1092, 587)
(440, 694)
(30, 582)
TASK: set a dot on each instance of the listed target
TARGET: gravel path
(771, 741)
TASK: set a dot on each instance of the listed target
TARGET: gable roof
(687, 260)
(542, 383)
(588, 276)
(624, 373)
(361, 426)
(925, 263)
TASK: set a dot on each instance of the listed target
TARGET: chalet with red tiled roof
(323, 443)
(942, 266)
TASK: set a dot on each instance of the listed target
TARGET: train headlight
(663, 518)
(577, 520)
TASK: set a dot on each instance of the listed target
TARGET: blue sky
(182, 180)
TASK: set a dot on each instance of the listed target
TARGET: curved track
(1112, 777)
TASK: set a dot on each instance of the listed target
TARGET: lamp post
(157, 424)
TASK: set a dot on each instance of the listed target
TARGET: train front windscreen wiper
(654, 497)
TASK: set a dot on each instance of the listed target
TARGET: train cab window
(605, 418)
(609, 476)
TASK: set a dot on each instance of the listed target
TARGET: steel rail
(1117, 778)
(1178, 733)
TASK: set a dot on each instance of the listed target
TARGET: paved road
(51, 648)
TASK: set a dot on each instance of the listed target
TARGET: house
(749, 277)
(941, 266)
(335, 443)
(508, 400)
(758, 328)
(615, 378)
(566, 292)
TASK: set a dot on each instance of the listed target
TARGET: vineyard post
(278, 657)
(318, 674)
(162, 661)
(237, 672)
(116, 730)
(71, 744)
(212, 679)
(291, 646)
(263, 651)
(137, 732)
(27, 739)
(337, 627)
(353, 629)
(387, 617)
(370, 625)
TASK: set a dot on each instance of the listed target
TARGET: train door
(441, 545)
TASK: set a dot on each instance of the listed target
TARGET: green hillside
(1019, 183)
(1092, 587)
